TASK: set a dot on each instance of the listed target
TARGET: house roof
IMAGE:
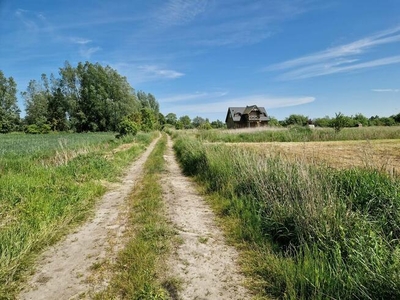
(237, 112)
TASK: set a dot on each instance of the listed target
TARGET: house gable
(249, 116)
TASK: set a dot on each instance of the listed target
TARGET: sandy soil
(202, 262)
(63, 272)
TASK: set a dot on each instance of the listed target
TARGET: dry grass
(379, 154)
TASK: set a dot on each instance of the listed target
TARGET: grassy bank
(299, 134)
(47, 185)
(306, 232)
(139, 270)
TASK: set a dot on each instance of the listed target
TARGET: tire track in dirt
(63, 270)
(202, 262)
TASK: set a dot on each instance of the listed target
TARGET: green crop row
(307, 232)
(42, 196)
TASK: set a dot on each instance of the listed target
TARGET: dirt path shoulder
(63, 270)
(202, 262)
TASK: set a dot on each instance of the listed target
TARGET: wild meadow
(48, 184)
(305, 230)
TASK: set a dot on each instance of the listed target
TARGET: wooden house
(246, 117)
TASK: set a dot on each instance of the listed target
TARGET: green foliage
(37, 129)
(339, 122)
(311, 233)
(127, 127)
(185, 122)
(9, 111)
(218, 124)
(299, 120)
(171, 118)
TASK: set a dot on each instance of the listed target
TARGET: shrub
(127, 127)
(37, 129)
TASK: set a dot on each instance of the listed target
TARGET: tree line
(91, 97)
(87, 97)
(339, 120)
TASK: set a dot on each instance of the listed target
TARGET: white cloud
(339, 59)
(155, 72)
(88, 52)
(80, 41)
(179, 12)
(269, 102)
(188, 97)
(386, 90)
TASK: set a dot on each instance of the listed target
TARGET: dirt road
(203, 262)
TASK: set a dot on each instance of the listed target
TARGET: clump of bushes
(127, 127)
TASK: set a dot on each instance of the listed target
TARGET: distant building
(246, 117)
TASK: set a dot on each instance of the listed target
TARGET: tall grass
(300, 134)
(310, 233)
(40, 199)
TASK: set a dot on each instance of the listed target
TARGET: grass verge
(139, 272)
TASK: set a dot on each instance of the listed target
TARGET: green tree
(360, 119)
(149, 121)
(323, 122)
(198, 121)
(218, 124)
(98, 97)
(273, 121)
(339, 122)
(299, 120)
(9, 111)
(171, 118)
(186, 121)
(36, 98)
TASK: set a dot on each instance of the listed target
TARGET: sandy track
(203, 261)
(63, 270)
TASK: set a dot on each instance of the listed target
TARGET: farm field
(48, 185)
(376, 154)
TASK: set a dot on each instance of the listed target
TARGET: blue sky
(198, 57)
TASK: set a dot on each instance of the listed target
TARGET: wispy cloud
(80, 41)
(339, 59)
(215, 106)
(156, 72)
(88, 52)
(180, 12)
(386, 90)
(193, 96)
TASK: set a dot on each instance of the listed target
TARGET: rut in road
(63, 270)
(203, 262)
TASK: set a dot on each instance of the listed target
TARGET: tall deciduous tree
(9, 111)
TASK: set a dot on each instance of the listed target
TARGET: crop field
(314, 219)
(49, 184)
(374, 154)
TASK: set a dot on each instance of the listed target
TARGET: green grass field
(48, 184)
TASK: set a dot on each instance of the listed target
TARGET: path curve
(203, 261)
(64, 269)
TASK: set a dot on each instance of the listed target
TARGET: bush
(37, 129)
(127, 127)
